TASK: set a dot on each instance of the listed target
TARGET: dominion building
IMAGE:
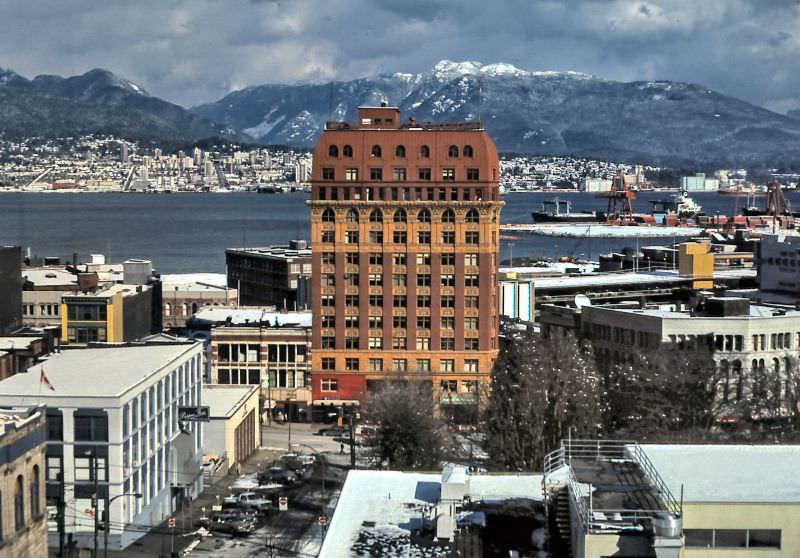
(405, 225)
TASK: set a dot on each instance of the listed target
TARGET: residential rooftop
(93, 372)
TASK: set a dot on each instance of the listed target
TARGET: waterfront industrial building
(404, 219)
(113, 429)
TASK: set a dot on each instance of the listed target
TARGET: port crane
(620, 208)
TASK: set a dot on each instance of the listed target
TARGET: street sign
(194, 414)
(171, 522)
(283, 503)
(322, 520)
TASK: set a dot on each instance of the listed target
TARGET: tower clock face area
(405, 232)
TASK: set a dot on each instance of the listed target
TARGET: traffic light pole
(94, 505)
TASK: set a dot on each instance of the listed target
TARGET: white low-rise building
(113, 429)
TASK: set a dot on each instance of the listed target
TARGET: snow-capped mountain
(531, 112)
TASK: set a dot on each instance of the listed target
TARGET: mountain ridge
(536, 112)
(97, 101)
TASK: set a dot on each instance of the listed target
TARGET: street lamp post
(105, 518)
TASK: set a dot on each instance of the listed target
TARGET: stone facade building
(23, 517)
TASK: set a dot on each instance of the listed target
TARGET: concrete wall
(785, 517)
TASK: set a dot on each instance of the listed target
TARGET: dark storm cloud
(191, 51)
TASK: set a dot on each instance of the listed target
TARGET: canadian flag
(43, 380)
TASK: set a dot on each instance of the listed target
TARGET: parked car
(234, 523)
(250, 500)
(277, 474)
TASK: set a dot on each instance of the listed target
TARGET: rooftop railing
(595, 518)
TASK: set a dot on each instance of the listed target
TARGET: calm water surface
(184, 233)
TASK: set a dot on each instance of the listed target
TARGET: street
(295, 532)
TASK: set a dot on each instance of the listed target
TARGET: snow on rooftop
(379, 506)
(212, 279)
(240, 316)
(729, 473)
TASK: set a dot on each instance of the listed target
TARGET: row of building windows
(400, 280)
(400, 151)
(446, 365)
(401, 216)
(447, 387)
(400, 174)
(19, 501)
(400, 301)
(400, 322)
(44, 310)
(401, 237)
(732, 538)
(281, 378)
(401, 343)
(397, 193)
(401, 258)
(720, 343)
(251, 352)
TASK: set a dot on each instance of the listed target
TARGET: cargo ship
(560, 211)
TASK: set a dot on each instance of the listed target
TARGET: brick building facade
(405, 232)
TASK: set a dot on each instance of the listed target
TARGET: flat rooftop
(388, 504)
(273, 252)
(627, 278)
(225, 400)
(244, 316)
(729, 473)
(49, 277)
(110, 290)
(756, 311)
(92, 372)
(212, 279)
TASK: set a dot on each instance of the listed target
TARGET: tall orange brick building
(405, 226)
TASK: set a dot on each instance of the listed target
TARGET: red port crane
(620, 208)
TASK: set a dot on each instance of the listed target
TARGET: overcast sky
(193, 51)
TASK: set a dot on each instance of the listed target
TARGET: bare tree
(544, 389)
(664, 390)
(409, 433)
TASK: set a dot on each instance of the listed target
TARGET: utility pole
(352, 438)
(95, 501)
(61, 509)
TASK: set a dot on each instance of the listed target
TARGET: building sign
(194, 414)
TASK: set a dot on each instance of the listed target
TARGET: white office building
(113, 430)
